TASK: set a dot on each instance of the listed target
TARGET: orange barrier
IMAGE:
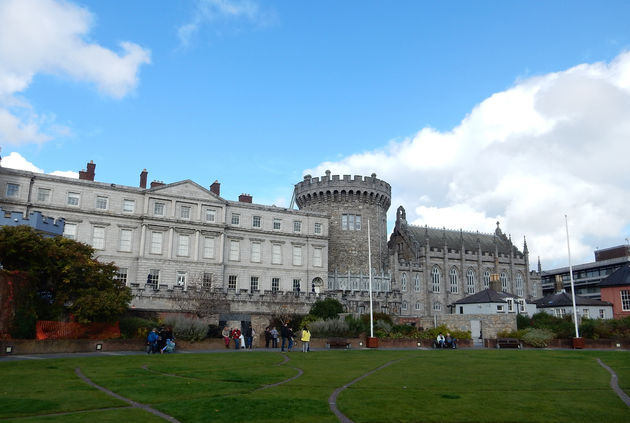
(46, 329)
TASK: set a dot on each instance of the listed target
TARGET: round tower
(350, 202)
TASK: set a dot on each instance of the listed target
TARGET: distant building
(560, 304)
(588, 276)
(46, 226)
(490, 301)
(615, 288)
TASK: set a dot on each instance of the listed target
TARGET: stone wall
(491, 324)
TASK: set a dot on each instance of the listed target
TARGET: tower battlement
(335, 188)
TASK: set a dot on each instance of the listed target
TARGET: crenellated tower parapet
(350, 202)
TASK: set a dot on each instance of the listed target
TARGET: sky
(475, 112)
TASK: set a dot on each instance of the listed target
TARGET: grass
(419, 386)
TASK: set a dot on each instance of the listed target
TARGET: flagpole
(577, 333)
(370, 283)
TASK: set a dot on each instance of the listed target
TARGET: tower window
(350, 222)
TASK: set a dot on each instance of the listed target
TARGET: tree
(328, 308)
(65, 278)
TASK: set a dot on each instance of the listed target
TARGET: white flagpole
(370, 286)
(577, 333)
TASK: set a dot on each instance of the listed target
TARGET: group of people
(445, 341)
(242, 340)
(161, 341)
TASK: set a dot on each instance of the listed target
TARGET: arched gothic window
(403, 282)
(470, 281)
(435, 279)
(452, 277)
(519, 284)
(504, 282)
(486, 279)
(416, 283)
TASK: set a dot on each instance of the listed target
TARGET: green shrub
(562, 327)
(135, 327)
(328, 308)
(538, 338)
(356, 326)
(605, 329)
(192, 330)
(330, 327)
(432, 333)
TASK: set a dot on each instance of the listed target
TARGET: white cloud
(16, 161)
(209, 11)
(551, 145)
(50, 37)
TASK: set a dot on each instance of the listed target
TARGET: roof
(619, 277)
(563, 299)
(486, 296)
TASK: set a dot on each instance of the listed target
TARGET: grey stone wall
(491, 324)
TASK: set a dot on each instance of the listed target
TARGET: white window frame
(275, 284)
(70, 230)
(297, 285)
(470, 281)
(235, 250)
(504, 281)
(277, 224)
(157, 241)
(181, 278)
(452, 277)
(256, 222)
(126, 236)
(403, 282)
(317, 230)
(276, 254)
(510, 303)
(486, 279)
(208, 247)
(318, 254)
(185, 212)
(297, 226)
(235, 220)
(183, 245)
(12, 190)
(153, 278)
(211, 215)
(404, 306)
(624, 295)
(417, 307)
(518, 283)
(232, 282)
(586, 313)
(602, 313)
(297, 255)
(101, 202)
(98, 237)
(256, 252)
(44, 194)
(159, 208)
(121, 275)
(437, 306)
(129, 206)
(416, 283)
(435, 279)
(253, 284)
(206, 282)
(73, 199)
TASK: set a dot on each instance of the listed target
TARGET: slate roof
(619, 277)
(563, 299)
(486, 296)
(471, 240)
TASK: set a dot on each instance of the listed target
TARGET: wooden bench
(337, 343)
(508, 343)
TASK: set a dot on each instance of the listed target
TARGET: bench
(508, 343)
(337, 343)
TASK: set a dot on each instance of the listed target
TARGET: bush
(192, 330)
(606, 329)
(433, 333)
(330, 327)
(356, 326)
(328, 308)
(135, 327)
(562, 327)
(538, 338)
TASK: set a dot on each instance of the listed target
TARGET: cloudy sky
(474, 112)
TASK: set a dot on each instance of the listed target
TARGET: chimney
(495, 282)
(245, 198)
(559, 285)
(143, 178)
(215, 188)
(88, 175)
(155, 184)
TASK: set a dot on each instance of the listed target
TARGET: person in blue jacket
(152, 341)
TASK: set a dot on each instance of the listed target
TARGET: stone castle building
(181, 246)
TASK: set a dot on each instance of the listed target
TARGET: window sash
(13, 190)
(625, 299)
(184, 212)
(318, 228)
(158, 209)
(275, 284)
(297, 226)
(234, 250)
(256, 222)
(156, 242)
(98, 237)
(208, 247)
(236, 219)
(297, 256)
(276, 251)
(101, 202)
(183, 245)
(70, 230)
(232, 282)
(43, 194)
(277, 224)
(296, 284)
(181, 279)
(125, 240)
(317, 257)
(256, 252)
(73, 199)
(211, 215)
(253, 283)
(129, 206)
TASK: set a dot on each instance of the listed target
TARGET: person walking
(267, 337)
(226, 336)
(284, 334)
(152, 341)
(274, 337)
(306, 339)
(249, 336)
(290, 338)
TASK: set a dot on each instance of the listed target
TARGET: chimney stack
(245, 198)
(155, 184)
(143, 178)
(88, 175)
(559, 285)
(215, 188)
(495, 282)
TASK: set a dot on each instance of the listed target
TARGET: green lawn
(419, 386)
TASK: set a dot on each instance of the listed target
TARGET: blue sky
(473, 111)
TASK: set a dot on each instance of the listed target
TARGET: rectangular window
(129, 206)
(625, 299)
(184, 212)
(318, 229)
(417, 306)
(156, 242)
(159, 209)
(232, 282)
(296, 285)
(256, 252)
(121, 275)
(297, 226)
(125, 240)
(500, 308)
(297, 255)
(70, 230)
(101, 202)
(416, 284)
(183, 245)
(13, 190)
(181, 278)
(510, 302)
(602, 313)
(98, 237)
(317, 257)
(153, 279)
(256, 221)
(276, 254)
(234, 250)
(43, 195)
(208, 247)
(236, 219)
(586, 313)
(277, 224)
(211, 215)
(74, 198)
(350, 222)
(253, 283)
(275, 284)
(207, 280)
